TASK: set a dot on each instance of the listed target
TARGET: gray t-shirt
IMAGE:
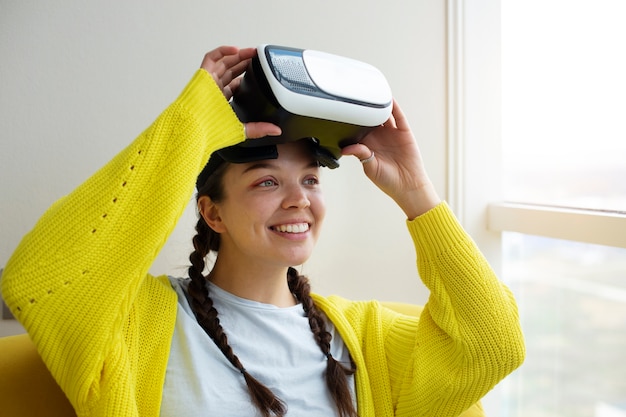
(274, 344)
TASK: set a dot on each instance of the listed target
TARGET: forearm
(74, 275)
(418, 201)
(469, 333)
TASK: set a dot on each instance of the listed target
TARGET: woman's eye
(267, 183)
(311, 181)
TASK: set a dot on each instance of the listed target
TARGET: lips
(292, 228)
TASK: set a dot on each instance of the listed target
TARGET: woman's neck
(264, 284)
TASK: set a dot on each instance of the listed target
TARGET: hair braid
(262, 397)
(206, 314)
(336, 374)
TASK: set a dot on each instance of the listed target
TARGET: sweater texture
(79, 284)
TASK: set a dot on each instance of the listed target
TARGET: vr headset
(334, 100)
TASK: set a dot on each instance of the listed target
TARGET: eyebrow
(269, 165)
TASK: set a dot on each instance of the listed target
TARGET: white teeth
(292, 228)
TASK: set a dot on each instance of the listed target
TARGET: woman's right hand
(226, 64)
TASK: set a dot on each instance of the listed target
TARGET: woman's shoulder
(156, 291)
(364, 311)
(341, 304)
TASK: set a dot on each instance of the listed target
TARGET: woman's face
(273, 209)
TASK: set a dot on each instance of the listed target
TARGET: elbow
(504, 356)
(516, 351)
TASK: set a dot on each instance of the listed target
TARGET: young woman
(248, 337)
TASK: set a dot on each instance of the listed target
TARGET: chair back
(26, 386)
(28, 389)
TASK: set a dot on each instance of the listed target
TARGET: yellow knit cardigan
(79, 283)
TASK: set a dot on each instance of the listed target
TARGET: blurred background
(518, 108)
(80, 80)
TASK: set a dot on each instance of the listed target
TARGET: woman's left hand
(396, 165)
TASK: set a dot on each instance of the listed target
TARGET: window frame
(475, 145)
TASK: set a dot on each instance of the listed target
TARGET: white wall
(79, 80)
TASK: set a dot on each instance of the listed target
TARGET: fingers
(391, 122)
(210, 58)
(360, 151)
(220, 52)
(230, 73)
(230, 89)
(399, 119)
(234, 84)
(227, 62)
(229, 54)
(256, 130)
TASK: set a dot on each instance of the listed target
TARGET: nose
(296, 196)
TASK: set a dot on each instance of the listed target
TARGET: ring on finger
(368, 159)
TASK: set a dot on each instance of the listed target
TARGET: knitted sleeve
(73, 279)
(468, 336)
(465, 341)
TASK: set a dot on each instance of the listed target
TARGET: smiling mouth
(292, 228)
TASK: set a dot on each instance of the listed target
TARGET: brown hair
(205, 241)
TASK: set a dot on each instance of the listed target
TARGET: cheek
(318, 207)
(250, 216)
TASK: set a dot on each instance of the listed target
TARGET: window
(572, 299)
(564, 146)
(556, 223)
(564, 103)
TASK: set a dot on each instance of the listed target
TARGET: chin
(298, 259)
